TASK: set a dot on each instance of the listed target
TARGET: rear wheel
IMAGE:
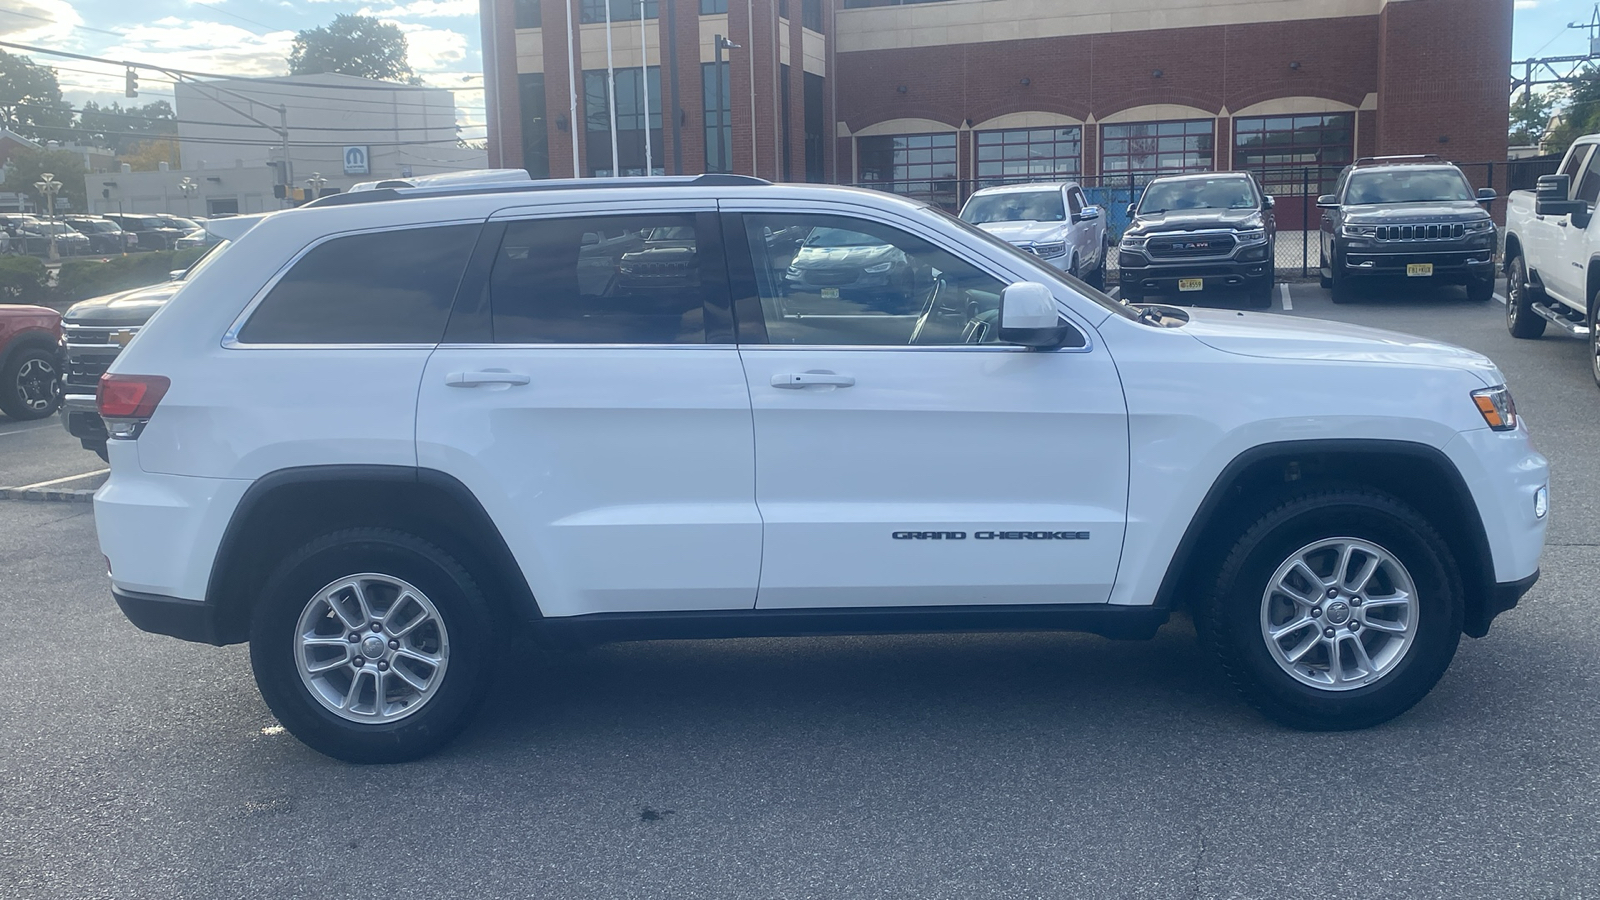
(1594, 338)
(1335, 610)
(30, 384)
(1521, 320)
(1097, 278)
(370, 645)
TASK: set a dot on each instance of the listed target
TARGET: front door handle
(477, 379)
(797, 380)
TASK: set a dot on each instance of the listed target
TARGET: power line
(46, 19)
(177, 121)
(237, 16)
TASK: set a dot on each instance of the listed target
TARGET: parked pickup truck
(1552, 258)
(1054, 222)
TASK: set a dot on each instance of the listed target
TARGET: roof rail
(1432, 158)
(382, 194)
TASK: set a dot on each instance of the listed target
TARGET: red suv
(30, 361)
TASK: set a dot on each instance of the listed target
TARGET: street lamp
(48, 188)
(188, 186)
(315, 183)
(720, 44)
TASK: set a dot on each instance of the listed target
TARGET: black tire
(1480, 290)
(1323, 270)
(1097, 278)
(1260, 297)
(30, 383)
(1230, 618)
(319, 564)
(1594, 338)
(1341, 289)
(1521, 320)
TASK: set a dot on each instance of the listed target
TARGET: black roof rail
(1424, 158)
(383, 194)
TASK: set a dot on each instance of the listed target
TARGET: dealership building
(934, 98)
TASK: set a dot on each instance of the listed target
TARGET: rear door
(590, 394)
(906, 457)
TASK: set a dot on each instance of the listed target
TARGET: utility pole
(721, 43)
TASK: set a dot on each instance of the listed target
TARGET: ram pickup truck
(1552, 258)
(1054, 222)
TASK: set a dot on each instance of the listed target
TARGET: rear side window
(383, 287)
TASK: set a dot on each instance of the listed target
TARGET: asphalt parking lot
(957, 766)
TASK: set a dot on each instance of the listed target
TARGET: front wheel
(1339, 287)
(30, 385)
(1335, 610)
(371, 645)
(1480, 290)
(1521, 320)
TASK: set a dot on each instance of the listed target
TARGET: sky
(252, 38)
(235, 37)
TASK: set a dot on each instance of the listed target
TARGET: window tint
(1573, 166)
(1075, 200)
(612, 280)
(1589, 188)
(383, 287)
(838, 280)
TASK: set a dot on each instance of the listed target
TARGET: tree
(26, 167)
(1580, 115)
(147, 156)
(30, 100)
(1530, 116)
(353, 45)
(124, 129)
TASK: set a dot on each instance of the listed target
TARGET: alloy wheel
(38, 384)
(371, 648)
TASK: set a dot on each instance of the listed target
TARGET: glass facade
(631, 118)
(713, 7)
(535, 125)
(1144, 150)
(1029, 154)
(719, 153)
(916, 165)
(1285, 153)
(527, 13)
(591, 11)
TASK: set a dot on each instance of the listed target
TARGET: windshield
(1407, 185)
(99, 227)
(1015, 206)
(183, 224)
(839, 237)
(1197, 193)
(1040, 271)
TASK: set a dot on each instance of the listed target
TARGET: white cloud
(1526, 4)
(424, 9)
(206, 47)
(433, 49)
(46, 23)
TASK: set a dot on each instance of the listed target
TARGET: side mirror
(1328, 201)
(1553, 187)
(1269, 202)
(1089, 214)
(1550, 198)
(1130, 211)
(1028, 316)
(1486, 195)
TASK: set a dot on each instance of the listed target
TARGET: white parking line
(29, 487)
(26, 430)
(1499, 299)
(1115, 293)
(1287, 303)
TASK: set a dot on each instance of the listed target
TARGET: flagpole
(572, 93)
(644, 85)
(611, 98)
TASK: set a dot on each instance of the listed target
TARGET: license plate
(830, 293)
(1419, 270)
(1191, 284)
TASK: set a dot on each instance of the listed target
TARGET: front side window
(602, 280)
(1589, 187)
(382, 287)
(831, 280)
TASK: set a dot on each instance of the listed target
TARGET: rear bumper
(190, 620)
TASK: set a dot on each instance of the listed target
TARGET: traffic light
(131, 88)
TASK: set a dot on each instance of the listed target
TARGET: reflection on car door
(904, 456)
(590, 394)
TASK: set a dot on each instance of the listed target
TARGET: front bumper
(81, 418)
(1149, 276)
(1452, 266)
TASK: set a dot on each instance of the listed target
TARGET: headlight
(1482, 226)
(1360, 230)
(1258, 236)
(1050, 250)
(1497, 407)
(879, 269)
(1132, 242)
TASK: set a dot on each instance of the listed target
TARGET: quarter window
(837, 280)
(602, 280)
(383, 287)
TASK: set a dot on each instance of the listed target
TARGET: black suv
(1196, 235)
(1407, 217)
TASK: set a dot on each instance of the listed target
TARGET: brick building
(936, 97)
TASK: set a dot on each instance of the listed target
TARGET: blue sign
(355, 161)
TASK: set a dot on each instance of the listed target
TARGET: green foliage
(30, 100)
(1530, 116)
(23, 279)
(1580, 116)
(82, 279)
(355, 45)
(26, 167)
(123, 129)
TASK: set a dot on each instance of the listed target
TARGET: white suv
(403, 435)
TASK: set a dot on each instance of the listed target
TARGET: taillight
(130, 396)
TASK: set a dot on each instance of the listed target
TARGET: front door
(904, 456)
(590, 395)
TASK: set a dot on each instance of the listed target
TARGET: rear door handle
(477, 379)
(796, 380)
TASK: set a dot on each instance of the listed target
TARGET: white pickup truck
(1552, 256)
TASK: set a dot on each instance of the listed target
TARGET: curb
(43, 495)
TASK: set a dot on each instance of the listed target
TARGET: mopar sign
(355, 160)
